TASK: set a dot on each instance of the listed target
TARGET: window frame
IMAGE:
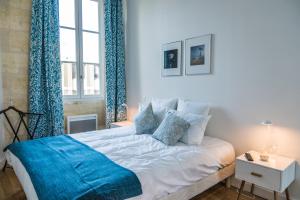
(79, 53)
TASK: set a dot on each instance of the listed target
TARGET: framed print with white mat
(171, 59)
(197, 55)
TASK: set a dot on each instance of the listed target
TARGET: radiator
(82, 123)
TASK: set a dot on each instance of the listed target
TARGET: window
(79, 48)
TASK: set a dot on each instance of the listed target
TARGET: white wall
(255, 64)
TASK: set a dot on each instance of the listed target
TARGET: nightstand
(121, 124)
(275, 175)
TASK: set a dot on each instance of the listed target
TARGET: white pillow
(160, 107)
(195, 133)
(194, 107)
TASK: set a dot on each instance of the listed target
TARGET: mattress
(161, 169)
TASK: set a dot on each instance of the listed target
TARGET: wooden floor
(10, 189)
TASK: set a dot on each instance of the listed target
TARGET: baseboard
(258, 191)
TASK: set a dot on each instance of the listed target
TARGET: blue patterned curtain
(45, 94)
(115, 61)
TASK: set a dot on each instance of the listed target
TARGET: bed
(177, 172)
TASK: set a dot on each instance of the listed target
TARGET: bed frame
(185, 193)
(191, 191)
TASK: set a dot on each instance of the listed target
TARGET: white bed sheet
(161, 169)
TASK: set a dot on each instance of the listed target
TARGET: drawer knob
(256, 174)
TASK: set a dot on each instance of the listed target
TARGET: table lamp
(126, 109)
(264, 156)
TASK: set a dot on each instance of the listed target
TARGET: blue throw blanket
(63, 168)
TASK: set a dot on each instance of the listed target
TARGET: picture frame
(172, 59)
(198, 55)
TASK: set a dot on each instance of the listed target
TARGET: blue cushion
(145, 122)
(171, 129)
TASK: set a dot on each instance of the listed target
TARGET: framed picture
(171, 59)
(197, 55)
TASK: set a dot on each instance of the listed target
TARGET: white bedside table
(276, 174)
(121, 124)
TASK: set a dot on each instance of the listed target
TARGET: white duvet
(161, 169)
